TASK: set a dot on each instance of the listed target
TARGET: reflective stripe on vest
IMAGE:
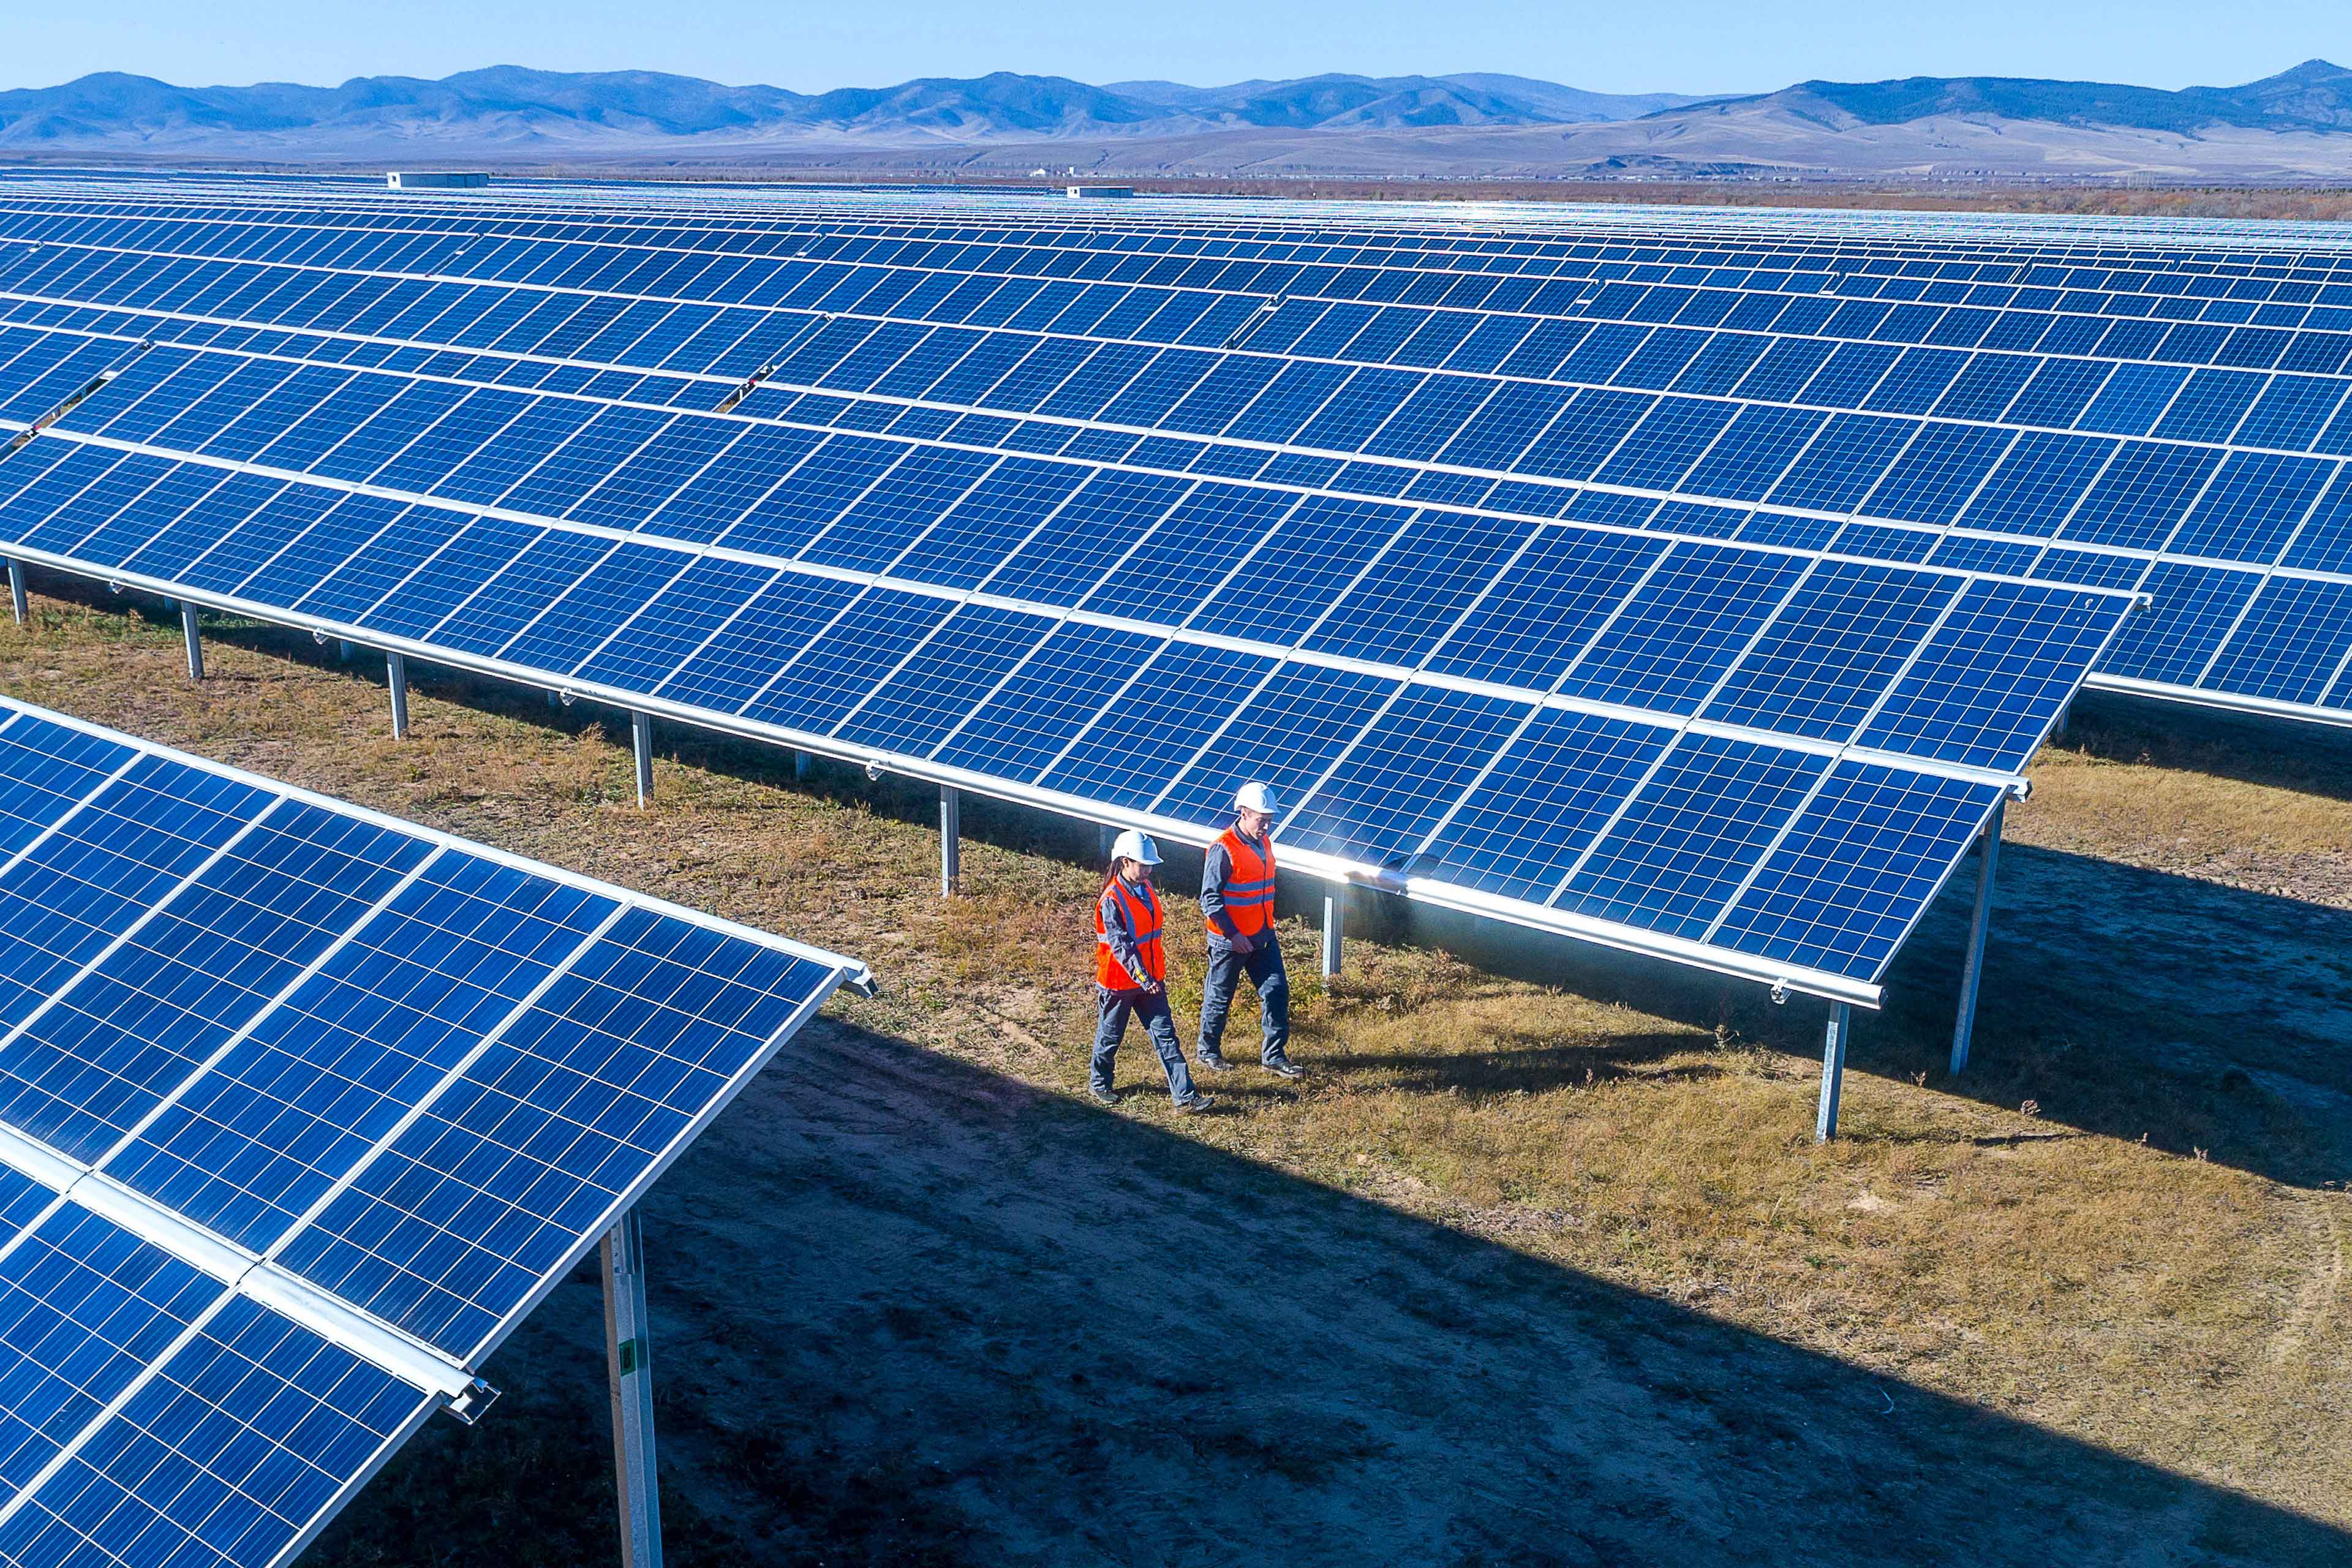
(1143, 921)
(1249, 885)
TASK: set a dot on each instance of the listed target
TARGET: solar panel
(1044, 524)
(301, 1110)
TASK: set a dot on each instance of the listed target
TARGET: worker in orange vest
(1237, 897)
(1131, 973)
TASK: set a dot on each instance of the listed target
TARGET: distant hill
(1398, 101)
(2314, 96)
(507, 106)
(2296, 125)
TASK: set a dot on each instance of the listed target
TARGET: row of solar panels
(2111, 377)
(1517, 711)
(834, 228)
(1546, 228)
(1949, 297)
(2286, 412)
(301, 1110)
(2255, 541)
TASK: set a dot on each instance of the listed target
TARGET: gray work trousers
(1263, 964)
(1151, 1007)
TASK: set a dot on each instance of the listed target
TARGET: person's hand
(1243, 946)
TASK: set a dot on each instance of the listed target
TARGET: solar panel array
(301, 1110)
(1105, 515)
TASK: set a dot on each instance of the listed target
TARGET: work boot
(1282, 1067)
(1216, 1062)
(1194, 1102)
(1103, 1096)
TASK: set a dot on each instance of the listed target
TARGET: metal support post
(2066, 714)
(1965, 1023)
(1335, 926)
(803, 762)
(641, 739)
(1106, 836)
(951, 841)
(196, 643)
(628, 1365)
(17, 589)
(395, 676)
(1832, 1073)
(343, 652)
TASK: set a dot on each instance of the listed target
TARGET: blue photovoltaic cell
(1047, 701)
(1827, 657)
(1284, 738)
(84, 1307)
(1543, 609)
(247, 1148)
(94, 877)
(1161, 717)
(1684, 628)
(46, 770)
(1292, 580)
(816, 690)
(749, 647)
(453, 1224)
(1985, 689)
(1549, 791)
(1693, 832)
(1421, 586)
(944, 679)
(227, 1454)
(676, 623)
(2291, 643)
(1430, 745)
(194, 972)
(2195, 607)
(1846, 884)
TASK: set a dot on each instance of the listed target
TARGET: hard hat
(1253, 796)
(1133, 845)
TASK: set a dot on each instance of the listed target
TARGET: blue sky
(1698, 45)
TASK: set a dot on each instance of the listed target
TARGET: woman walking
(1131, 973)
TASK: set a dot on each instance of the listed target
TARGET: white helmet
(1253, 796)
(1137, 846)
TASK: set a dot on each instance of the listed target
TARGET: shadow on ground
(2254, 748)
(908, 1311)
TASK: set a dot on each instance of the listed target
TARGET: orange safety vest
(1143, 919)
(1249, 890)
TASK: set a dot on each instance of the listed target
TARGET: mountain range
(2296, 125)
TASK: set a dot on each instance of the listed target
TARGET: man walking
(1131, 973)
(1237, 897)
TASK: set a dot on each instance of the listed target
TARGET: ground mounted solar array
(301, 1110)
(1015, 558)
(2164, 411)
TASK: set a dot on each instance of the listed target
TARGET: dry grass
(2181, 1309)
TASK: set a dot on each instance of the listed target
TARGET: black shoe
(1214, 1062)
(1282, 1067)
(1103, 1096)
(1194, 1101)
